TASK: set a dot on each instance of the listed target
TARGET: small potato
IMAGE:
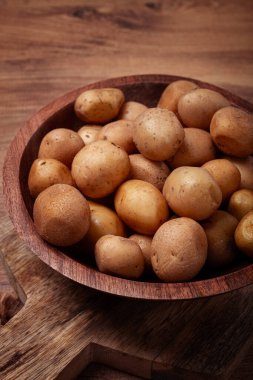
(196, 149)
(131, 110)
(173, 92)
(154, 172)
(232, 131)
(220, 229)
(61, 215)
(179, 250)
(244, 234)
(225, 174)
(196, 108)
(192, 192)
(47, 172)
(119, 256)
(158, 134)
(99, 168)
(119, 132)
(61, 144)
(99, 105)
(245, 167)
(240, 203)
(141, 206)
(145, 244)
(89, 133)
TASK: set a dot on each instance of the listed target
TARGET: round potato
(99, 168)
(61, 215)
(245, 167)
(119, 256)
(145, 244)
(179, 250)
(141, 206)
(154, 172)
(99, 105)
(244, 234)
(131, 110)
(240, 203)
(119, 132)
(61, 144)
(158, 134)
(89, 133)
(196, 108)
(192, 192)
(232, 131)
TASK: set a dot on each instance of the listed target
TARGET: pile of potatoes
(178, 178)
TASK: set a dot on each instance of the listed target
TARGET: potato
(144, 243)
(225, 174)
(240, 203)
(119, 256)
(131, 110)
(158, 134)
(244, 234)
(196, 149)
(141, 206)
(154, 172)
(220, 229)
(179, 250)
(196, 108)
(119, 132)
(99, 105)
(47, 172)
(232, 131)
(61, 144)
(192, 192)
(89, 133)
(245, 167)
(61, 215)
(172, 93)
(99, 168)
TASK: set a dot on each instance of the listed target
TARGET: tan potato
(145, 244)
(240, 203)
(154, 172)
(99, 105)
(232, 131)
(196, 108)
(47, 172)
(119, 132)
(141, 206)
(196, 149)
(244, 234)
(99, 168)
(225, 174)
(192, 192)
(61, 144)
(119, 256)
(158, 134)
(89, 133)
(61, 215)
(131, 110)
(245, 167)
(179, 250)
(173, 92)
(220, 229)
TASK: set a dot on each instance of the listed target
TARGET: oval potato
(89, 133)
(131, 110)
(119, 132)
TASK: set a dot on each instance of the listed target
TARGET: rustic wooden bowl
(24, 149)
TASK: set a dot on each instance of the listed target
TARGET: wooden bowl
(23, 150)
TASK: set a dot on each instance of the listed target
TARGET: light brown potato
(61, 144)
(158, 134)
(141, 206)
(179, 250)
(196, 108)
(145, 244)
(131, 110)
(61, 215)
(47, 172)
(220, 229)
(99, 168)
(240, 203)
(89, 133)
(225, 174)
(232, 131)
(173, 92)
(192, 192)
(196, 149)
(119, 132)
(244, 234)
(119, 256)
(99, 105)
(154, 172)
(245, 167)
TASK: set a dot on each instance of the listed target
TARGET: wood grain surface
(48, 48)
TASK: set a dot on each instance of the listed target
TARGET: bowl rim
(75, 270)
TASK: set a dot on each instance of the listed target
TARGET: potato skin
(131, 110)
(89, 133)
(145, 244)
(119, 132)
(240, 203)
(244, 234)
(245, 167)
(99, 105)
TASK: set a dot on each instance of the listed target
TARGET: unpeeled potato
(89, 133)
(244, 234)
(131, 110)
(240, 203)
(119, 132)
(245, 167)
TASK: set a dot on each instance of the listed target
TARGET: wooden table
(56, 327)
